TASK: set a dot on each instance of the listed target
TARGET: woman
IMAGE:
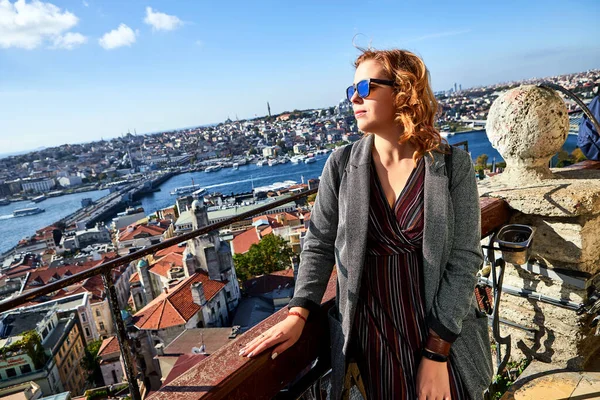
(406, 245)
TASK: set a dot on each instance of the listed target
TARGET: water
(226, 181)
(14, 229)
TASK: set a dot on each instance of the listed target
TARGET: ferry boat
(213, 168)
(310, 160)
(186, 189)
(445, 134)
(4, 202)
(38, 199)
(23, 212)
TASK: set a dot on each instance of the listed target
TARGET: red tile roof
(162, 266)
(134, 278)
(141, 231)
(176, 307)
(109, 346)
(242, 242)
(45, 275)
(172, 249)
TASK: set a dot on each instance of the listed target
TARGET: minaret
(269, 108)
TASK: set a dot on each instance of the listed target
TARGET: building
(142, 235)
(210, 254)
(69, 181)
(91, 236)
(78, 304)
(111, 362)
(42, 348)
(37, 185)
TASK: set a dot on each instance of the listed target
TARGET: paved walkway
(548, 382)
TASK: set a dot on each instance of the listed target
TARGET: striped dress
(389, 329)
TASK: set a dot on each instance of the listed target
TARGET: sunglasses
(363, 88)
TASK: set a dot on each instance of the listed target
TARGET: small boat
(235, 166)
(38, 199)
(4, 202)
(273, 162)
(446, 133)
(260, 163)
(310, 160)
(213, 168)
(23, 212)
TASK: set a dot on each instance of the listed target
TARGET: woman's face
(376, 112)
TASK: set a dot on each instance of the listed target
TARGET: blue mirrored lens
(362, 88)
(350, 92)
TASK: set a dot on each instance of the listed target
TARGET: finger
(283, 346)
(270, 342)
(248, 347)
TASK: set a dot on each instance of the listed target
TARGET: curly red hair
(416, 106)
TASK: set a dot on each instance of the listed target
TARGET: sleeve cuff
(303, 302)
(443, 332)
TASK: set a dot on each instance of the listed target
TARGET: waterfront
(14, 229)
(226, 181)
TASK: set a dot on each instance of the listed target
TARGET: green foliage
(91, 362)
(97, 394)
(502, 382)
(482, 160)
(311, 198)
(271, 254)
(30, 344)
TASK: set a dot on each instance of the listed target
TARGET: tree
(91, 363)
(271, 254)
(311, 198)
(482, 160)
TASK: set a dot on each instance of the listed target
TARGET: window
(218, 304)
(83, 318)
(87, 331)
(114, 376)
(228, 294)
(25, 369)
(212, 310)
(10, 372)
(101, 324)
(98, 313)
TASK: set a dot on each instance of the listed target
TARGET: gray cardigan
(452, 255)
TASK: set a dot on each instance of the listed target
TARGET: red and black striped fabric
(390, 328)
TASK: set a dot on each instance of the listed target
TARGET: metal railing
(105, 270)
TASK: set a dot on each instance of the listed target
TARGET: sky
(77, 71)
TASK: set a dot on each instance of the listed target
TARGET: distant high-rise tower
(455, 87)
(460, 88)
(269, 108)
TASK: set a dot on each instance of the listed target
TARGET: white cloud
(69, 41)
(29, 25)
(86, 4)
(122, 36)
(199, 43)
(161, 21)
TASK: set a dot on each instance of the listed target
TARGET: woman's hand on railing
(284, 335)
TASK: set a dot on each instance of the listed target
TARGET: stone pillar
(528, 125)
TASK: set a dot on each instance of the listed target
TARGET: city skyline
(108, 67)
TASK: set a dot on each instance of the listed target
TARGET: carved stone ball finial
(528, 125)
